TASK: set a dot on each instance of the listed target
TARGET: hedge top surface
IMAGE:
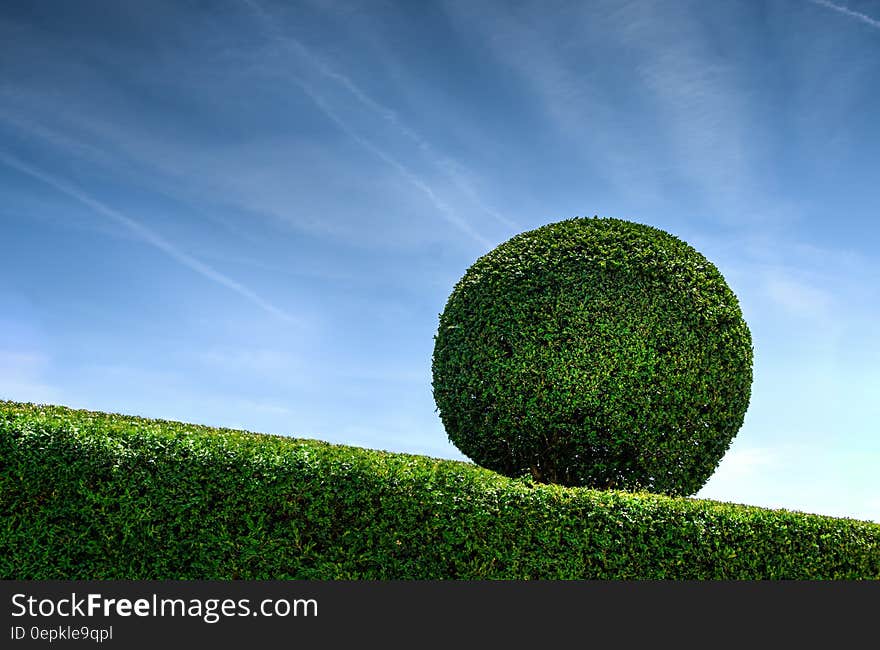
(595, 352)
(88, 495)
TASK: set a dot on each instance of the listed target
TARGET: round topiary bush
(594, 352)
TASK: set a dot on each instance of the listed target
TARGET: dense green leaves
(594, 352)
(87, 495)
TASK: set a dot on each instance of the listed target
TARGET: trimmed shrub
(87, 495)
(594, 352)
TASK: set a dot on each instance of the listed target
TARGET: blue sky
(250, 214)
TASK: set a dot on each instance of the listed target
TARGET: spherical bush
(594, 352)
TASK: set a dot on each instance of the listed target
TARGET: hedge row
(87, 495)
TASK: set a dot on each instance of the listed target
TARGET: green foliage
(87, 495)
(594, 352)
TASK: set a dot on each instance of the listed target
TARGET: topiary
(594, 352)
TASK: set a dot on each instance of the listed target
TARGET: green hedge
(87, 495)
(597, 353)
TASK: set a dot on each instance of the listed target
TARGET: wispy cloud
(452, 169)
(248, 360)
(25, 123)
(848, 12)
(702, 105)
(796, 296)
(263, 406)
(22, 376)
(688, 109)
(695, 126)
(739, 463)
(527, 42)
(411, 177)
(262, 177)
(146, 235)
(387, 114)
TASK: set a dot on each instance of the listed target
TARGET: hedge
(594, 352)
(87, 495)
